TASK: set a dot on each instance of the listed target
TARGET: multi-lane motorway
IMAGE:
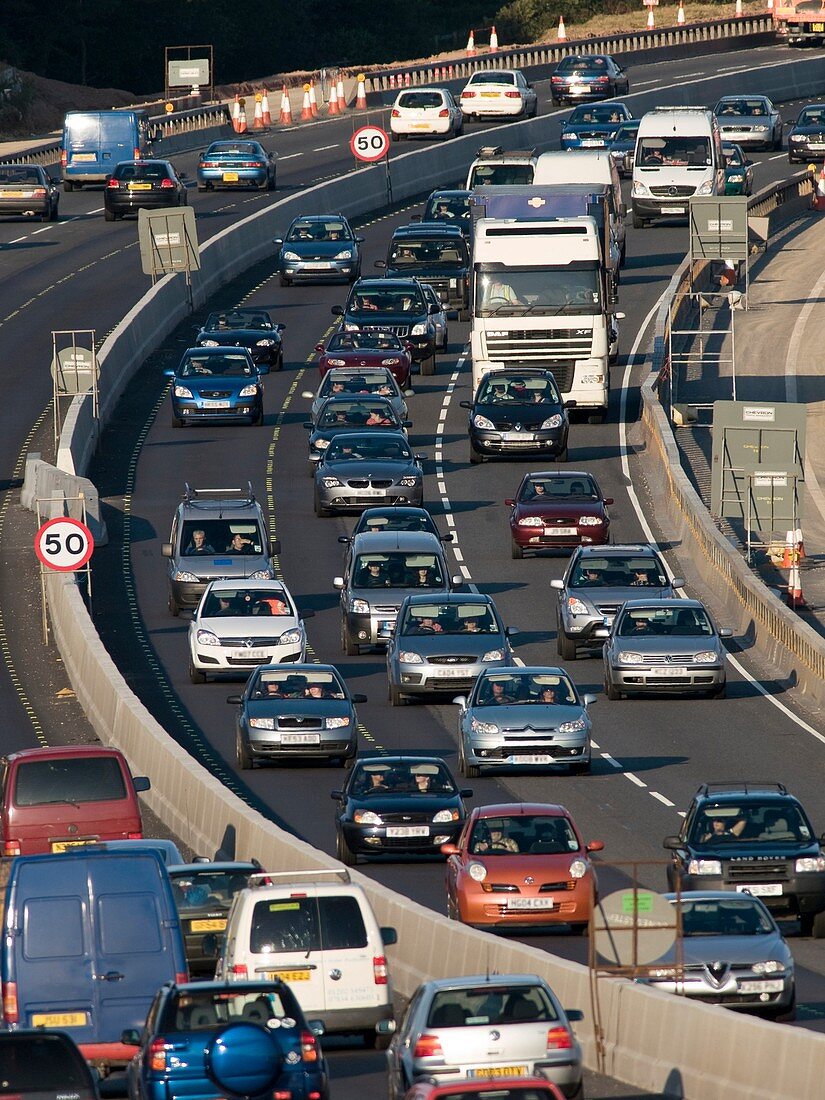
(651, 754)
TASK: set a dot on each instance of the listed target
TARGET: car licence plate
(215, 404)
(84, 156)
(230, 177)
(318, 265)
(667, 673)
(527, 758)
(774, 986)
(408, 830)
(489, 95)
(673, 210)
(578, 89)
(761, 889)
(386, 626)
(300, 739)
(592, 143)
(530, 903)
(64, 845)
(451, 673)
(140, 186)
(518, 437)
(248, 654)
(17, 194)
(818, 27)
(287, 975)
(561, 531)
(372, 492)
(59, 1019)
(497, 1071)
(420, 125)
(817, 145)
(207, 926)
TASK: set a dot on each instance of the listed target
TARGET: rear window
(419, 100)
(87, 779)
(207, 1010)
(583, 64)
(490, 1005)
(41, 1064)
(307, 924)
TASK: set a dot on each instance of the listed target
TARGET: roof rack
(490, 151)
(681, 110)
(295, 876)
(190, 493)
(747, 787)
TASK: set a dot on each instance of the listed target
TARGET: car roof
(238, 866)
(401, 758)
(223, 987)
(376, 541)
(265, 584)
(384, 284)
(529, 670)
(725, 792)
(713, 895)
(549, 475)
(665, 604)
(520, 809)
(428, 229)
(448, 192)
(58, 752)
(318, 217)
(297, 668)
(518, 372)
(618, 549)
(469, 980)
(394, 509)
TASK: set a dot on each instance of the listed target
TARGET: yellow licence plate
(140, 187)
(499, 1071)
(59, 1019)
(288, 975)
(208, 925)
(64, 845)
(818, 28)
(230, 177)
(17, 194)
(489, 95)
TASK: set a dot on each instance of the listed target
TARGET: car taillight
(166, 183)
(512, 95)
(134, 836)
(38, 192)
(444, 114)
(136, 154)
(557, 80)
(601, 80)
(282, 1094)
(379, 969)
(64, 158)
(428, 1046)
(395, 113)
(467, 95)
(239, 970)
(11, 848)
(113, 184)
(559, 1038)
(181, 977)
(251, 164)
(309, 1047)
(10, 1011)
(157, 1054)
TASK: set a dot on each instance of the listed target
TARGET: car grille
(398, 330)
(370, 483)
(549, 887)
(248, 643)
(673, 191)
(600, 135)
(520, 426)
(669, 658)
(507, 750)
(215, 393)
(325, 747)
(454, 659)
(294, 722)
(518, 733)
(608, 610)
(385, 609)
(407, 841)
(739, 128)
(756, 870)
(407, 819)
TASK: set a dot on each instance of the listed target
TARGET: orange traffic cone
(242, 126)
(258, 118)
(680, 15)
(306, 106)
(819, 193)
(342, 99)
(799, 545)
(285, 118)
(313, 99)
(471, 45)
(788, 553)
(236, 115)
(651, 22)
(361, 94)
(493, 40)
(392, 80)
(561, 33)
(265, 112)
(795, 597)
(332, 109)
(449, 72)
(738, 7)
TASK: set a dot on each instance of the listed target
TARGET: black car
(319, 248)
(397, 306)
(397, 805)
(253, 329)
(806, 140)
(29, 190)
(518, 411)
(755, 838)
(448, 207)
(203, 894)
(348, 413)
(395, 517)
(623, 146)
(433, 253)
(44, 1065)
(142, 185)
(589, 76)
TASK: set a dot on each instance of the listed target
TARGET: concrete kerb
(200, 809)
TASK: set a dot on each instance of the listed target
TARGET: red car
(558, 510)
(489, 1088)
(367, 349)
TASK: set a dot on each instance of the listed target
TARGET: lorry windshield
(516, 291)
(688, 152)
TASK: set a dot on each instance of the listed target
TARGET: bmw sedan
(319, 248)
(518, 411)
(806, 140)
(593, 126)
(751, 121)
(554, 510)
(359, 469)
(235, 164)
(397, 805)
(295, 711)
(252, 329)
(524, 717)
(142, 185)
(216, 384)
(345, 412)
(357, 382)
(589, 76)
(665, 647)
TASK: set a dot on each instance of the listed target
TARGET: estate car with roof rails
(217, 534)
(434, 253)
(495, 166)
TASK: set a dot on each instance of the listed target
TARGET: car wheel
(320, 510)
(469, 771)
(579, 929)
(243, 754)
(195, 674)
(201, 186)
(396, 137)
(445, 342)
(567, 646)
(280, 364)
(258, 419)
(516, 551)
(777, 143)
(173, 605)
(639, 223)
(109, 215)
(53, 213)
(343, 852)
(475, 457)
(428, 365)
(348, 646)
(264, 185)
(271, 183)
(611, 691)
(396, 699)
(285, 282)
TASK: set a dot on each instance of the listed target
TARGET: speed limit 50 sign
(369, 143)
(64, 544)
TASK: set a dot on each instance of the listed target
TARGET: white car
(241, 624)
(425, 112)
(498, 92)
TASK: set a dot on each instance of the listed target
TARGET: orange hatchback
(521, 865)
(55, 799)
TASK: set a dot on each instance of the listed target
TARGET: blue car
(217, 384)
(245, 1039)
(593, 125)
(236, 164)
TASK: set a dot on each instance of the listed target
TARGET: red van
(60, 798)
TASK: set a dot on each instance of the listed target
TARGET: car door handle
(110, 976)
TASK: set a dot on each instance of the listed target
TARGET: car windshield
(751, 108)
(246, 601)
(660, 622)
(524, 689)
(724, 917)
(751, 821)
(211, 1009)
(548, 291)
(597, 112)
(734, 157)
(464, 618)
(812, 116)
(489, 1004)
(286, 684)
(523, 834)
(332, 230)
(364, 341)
(395, 521)
(20, 175)
(502, 175)
(207, 888)
(681, 152)
(425, 252)
(420, 100)
(498, 389)
(559, 488)
(380, 383)
(617, 572)
(496, 77)
(447, 208)
(397, 569)
(582, 64)
(372, 448)
(394, 777)
(226, 366)
(626, 132)
(42, 1065)
(84, 779)
(405, 300)
(357, 413)
(218, 536)
(238, 319)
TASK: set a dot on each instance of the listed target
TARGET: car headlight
(483, 727)
(419, 329)
(336, 362)
(290, 256)
(291, 637)
(631, 659)
(705, 867)
(484, 423)
(530, 521)
(390, 362)
(577, 607)
(182, 391)
(705, 188)
(367, 817)
(262, 723)
(261, 575)
(249, 391)
(639, 190)
(409, 657)
(345, 255)
(206, 637)
(796, 137)
(329, 481)
(570, 135)
(760, 129)
(359, 607)
(409, 482)
(350, 326)
(336, 723)
(477, 871)
(445, 815)
(578, 868)
(576, 726)
(735, 177)
(268, 342)
(590, 521)
(769, 966)
(493, 655)
(706, 657)
(554, 421)
(210, 343)
(810, 863)
(184, 575)
(320, 444)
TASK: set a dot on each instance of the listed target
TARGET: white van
(588, 166)
(678, 154)
(315, 930)
(495, 167)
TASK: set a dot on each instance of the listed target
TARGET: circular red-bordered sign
(64, 544)
(369, 143)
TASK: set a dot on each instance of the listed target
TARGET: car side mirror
(386, 1027)
(281, 327)
(380, 263)
(465, 404)
(406, 423)
(338, 582)
(336, 795)
(409, 393)
(726, 632)
(511, 631)
(308, 425)
(320, 347)
(141, 783)
(236, 699)
(359, 698)
(181, 175)
(457, 580)
(210, 946)
(672, 843)
(557, 582)
(167, 550)
(450, 849)
(306, 613)
(466, 792)
(510, 503)
(274, 547)
(130, 1037)
(447, 538)
(169, 373)
(337, 311)
(461, 701)
(278, 241)
(420, 458)
(678, 582)
(360, 240)
(308, 395)
(608, 500)
(594, 846)
(316, 1027)
(434, 308)
(589, 700)
(574, 1015)
(389, 936)
(345, 539)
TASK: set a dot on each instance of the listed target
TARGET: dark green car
(738, 170)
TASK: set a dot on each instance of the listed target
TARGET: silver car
(357, 381)
(439, 318)
(664, 646)
(359, 469)
(751, 121)
(731, 953)
(499, 1025)
(443, 644)
(524, 717)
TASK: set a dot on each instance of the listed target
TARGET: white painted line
(661, 798)
(45, 229)
(635, 779)
(593, 744)
(442, 416)
(645, 83)
(290, 156)
(465, 572)
(17, 240)
(458, 554)
(323, 148)
(611, 760)
(450, 519)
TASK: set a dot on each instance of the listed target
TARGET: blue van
(89, 938)
(95, 141)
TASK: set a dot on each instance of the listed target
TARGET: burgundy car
(366, 349)
(557, 510)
